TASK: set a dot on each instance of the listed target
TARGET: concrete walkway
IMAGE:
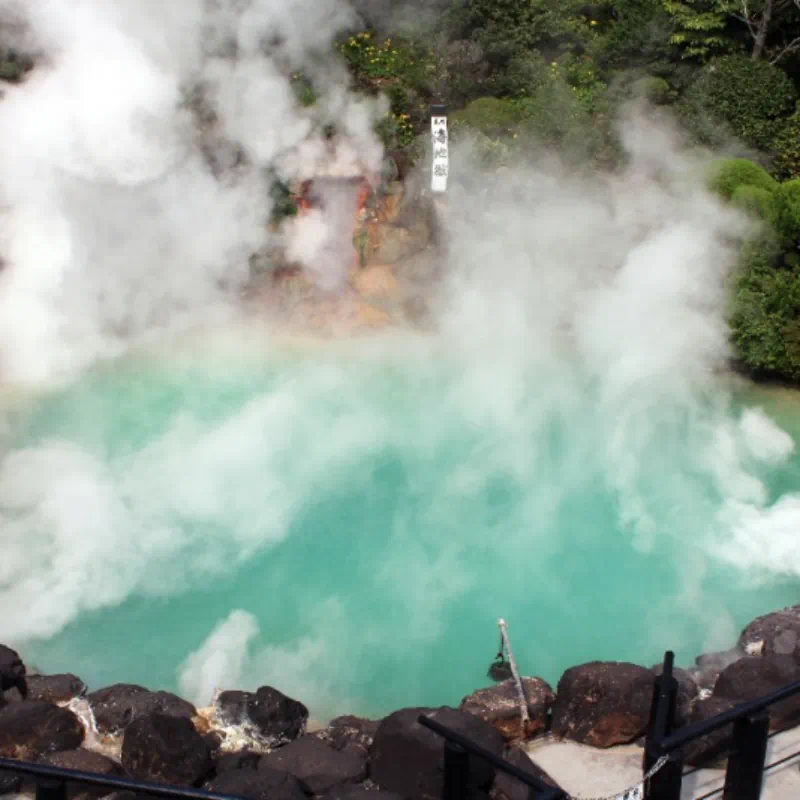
(588, 772)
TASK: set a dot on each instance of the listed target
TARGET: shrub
(654, 89)
(786, 148)
(764, 323)
(757, 202)
(727, 175)
(749, 99)
(787, 202)
(492, 116)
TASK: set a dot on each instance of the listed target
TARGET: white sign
(440, 162)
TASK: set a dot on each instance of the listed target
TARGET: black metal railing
(457, 752)
(744, 774)
(51, 783)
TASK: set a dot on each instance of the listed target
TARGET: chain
(635, 792)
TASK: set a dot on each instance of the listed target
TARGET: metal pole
(48, 789)
(523, 703)
(456, 771)
(666, 783)
(745, 772)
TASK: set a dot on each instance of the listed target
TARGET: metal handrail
(548, 791)
(63, 774)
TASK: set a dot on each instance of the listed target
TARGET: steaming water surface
(347, 523)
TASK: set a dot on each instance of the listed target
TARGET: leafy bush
(749, 99)
(757, 202)
(764, 324)
(727, 175)
(786, 148)
(492, 116)
(787, 202)
(654, 89)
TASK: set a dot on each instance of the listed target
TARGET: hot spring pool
(348, 526)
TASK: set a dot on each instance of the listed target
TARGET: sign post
(440, 165)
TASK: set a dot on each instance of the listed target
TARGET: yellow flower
(593, 22)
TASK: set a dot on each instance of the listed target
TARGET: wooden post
(523, 703)
(745, 772)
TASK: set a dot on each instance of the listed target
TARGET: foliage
(757, 202)
(727, 175)
(492, 116)
(749, 99)
(787, 203)
(786, 148)
(699, 27)
(764, 323)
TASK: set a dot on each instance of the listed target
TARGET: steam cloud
(590, 306)
(117, 220)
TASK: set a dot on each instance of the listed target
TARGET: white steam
(579, 332)
(122, 214)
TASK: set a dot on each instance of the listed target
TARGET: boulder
(360, 793)
(603, 704)
(29, 730)
(688, 692)
(12, 670)
(241, 759)
(708, 750)
(115, 707)
(499, 706)
(10, 784)
(261, 784)
(167, 749)
(317, 764)
(754, 676)
(777, 633)
(408, 759)
(508, 788)
(85, 761)
(345, 730)
(55, 688)
(708, 667)
(276, 717)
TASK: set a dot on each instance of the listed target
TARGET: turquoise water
(373, 514)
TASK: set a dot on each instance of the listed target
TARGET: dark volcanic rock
(31, 729)
(318, 765)
(274, 715)
(409, 759)
(55, 688)
(12, 670)
(159, 747)
(262, 784)
(241, 759)
(499, 706)
(708, 750)
(754, 676)
(688, 692)
(360, 793)
(603, 703)
(10, 784)
(708, 667)
(85, 761)
(777, 633)
(115, 707)
(345, 730)
(508, 788)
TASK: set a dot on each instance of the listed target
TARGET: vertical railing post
(456, 771)
(666, 783)
(50, 789)
(745, 772)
